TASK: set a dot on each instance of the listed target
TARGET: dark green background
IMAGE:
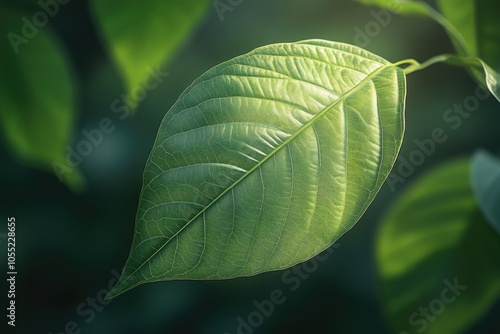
(69, 243)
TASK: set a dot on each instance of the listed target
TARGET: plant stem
(417, 66)
(413, 63)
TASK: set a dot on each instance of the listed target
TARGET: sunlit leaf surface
(264, 161)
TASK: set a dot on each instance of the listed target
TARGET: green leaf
(461, 13)
(142, 37)
(434, 236)
(485, 176)
(37, 96)
(265, 161)
(477, 21)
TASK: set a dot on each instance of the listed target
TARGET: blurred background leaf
(37, 95)
(485, 178)
(461, 13)
(434, 233)
(141, 37)
(476, 20)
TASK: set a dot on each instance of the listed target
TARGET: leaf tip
(109, 296)
(123, 285)
(115, 291)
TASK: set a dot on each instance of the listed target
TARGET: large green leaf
(477, 21)
(432, 238)
(265, 161)
(485, 176)
(37, 96)
(141, 36)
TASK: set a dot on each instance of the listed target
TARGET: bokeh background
(69, 243)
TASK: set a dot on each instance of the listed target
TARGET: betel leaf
(437, 256)
(265, 161)
(37, 96)
(142, 36)
(485, 177)
(477, 21)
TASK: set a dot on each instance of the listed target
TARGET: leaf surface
(432, 239)
(265, 161)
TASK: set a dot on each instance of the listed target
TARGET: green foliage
(434, 236)
(485, 176)
(436, 230)
(265, 161)
(37, 96)
(472, 28)
(476, 21)
(36, 82)
(461, 13)
(219, 198)
(141, 37)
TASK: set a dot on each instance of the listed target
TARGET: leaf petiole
(416, 66)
